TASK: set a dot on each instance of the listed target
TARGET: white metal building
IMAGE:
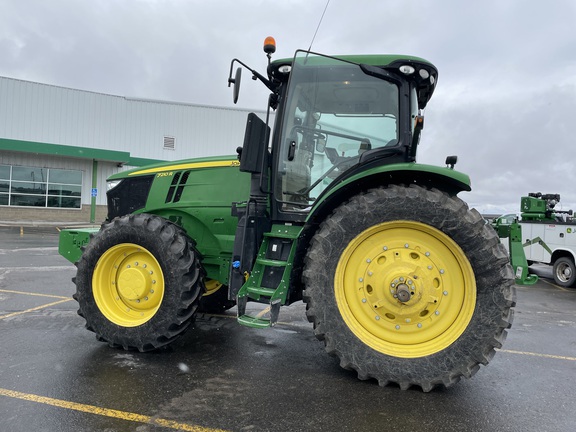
(58, 145)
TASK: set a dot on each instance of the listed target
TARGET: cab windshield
(334, 112)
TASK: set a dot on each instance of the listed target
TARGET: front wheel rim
(128, 285)
(563, 272)
(405, 289)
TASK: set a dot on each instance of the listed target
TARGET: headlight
(284, 69)
(111, 184)
(407, 69)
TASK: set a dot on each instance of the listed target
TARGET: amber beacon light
(269, 45)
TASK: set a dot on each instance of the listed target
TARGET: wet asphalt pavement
(55, 376)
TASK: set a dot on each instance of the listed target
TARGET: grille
(130, 195)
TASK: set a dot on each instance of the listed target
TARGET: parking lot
(55, 376)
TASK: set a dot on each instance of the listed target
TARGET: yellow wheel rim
(212, 285)
(128, 285)
(405, 289)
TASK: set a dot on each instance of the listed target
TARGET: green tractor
(402, 282)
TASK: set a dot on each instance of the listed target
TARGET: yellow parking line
(123, 415)
(34, 308)
(555, 286)
(33, 294)
(539, 355)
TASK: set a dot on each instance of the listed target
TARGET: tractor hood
(185, 184)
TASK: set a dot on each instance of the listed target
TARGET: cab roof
(424, 74)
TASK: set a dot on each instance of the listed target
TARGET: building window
(40, 187)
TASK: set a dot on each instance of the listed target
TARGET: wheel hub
(132, 284)
(414, 290)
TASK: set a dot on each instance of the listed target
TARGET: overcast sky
(507, 68)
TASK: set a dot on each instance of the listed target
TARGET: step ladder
(270, 277)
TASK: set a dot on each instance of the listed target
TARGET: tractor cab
(336, 117)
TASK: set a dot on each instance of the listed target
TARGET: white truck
(548, 236)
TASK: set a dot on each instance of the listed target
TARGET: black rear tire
(138, 282)
(406, 285)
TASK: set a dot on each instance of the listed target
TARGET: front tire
(407, 286)
(138, 282)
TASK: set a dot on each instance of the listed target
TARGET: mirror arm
(255, 75)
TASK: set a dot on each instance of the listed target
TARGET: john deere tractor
(400, 279)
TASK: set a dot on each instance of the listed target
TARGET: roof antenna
(320, 22)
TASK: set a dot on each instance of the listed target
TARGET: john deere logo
(569, 230)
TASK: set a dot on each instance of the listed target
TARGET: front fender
(212, 229)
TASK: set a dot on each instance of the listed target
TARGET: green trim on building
(119, 157)
(64, 150)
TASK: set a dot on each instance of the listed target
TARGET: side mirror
(236, 81)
